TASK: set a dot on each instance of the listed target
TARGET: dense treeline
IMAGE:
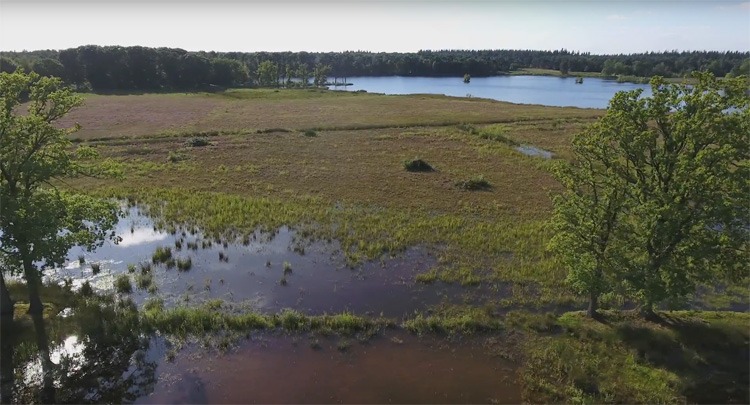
(139, 68)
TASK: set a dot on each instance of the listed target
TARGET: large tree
(681, 162)
(38, 222)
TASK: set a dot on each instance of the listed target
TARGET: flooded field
(265, 273)
(396, 368)
(272, 366)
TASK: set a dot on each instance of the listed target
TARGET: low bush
(418, 165)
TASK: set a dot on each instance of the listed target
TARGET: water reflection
(316, 277)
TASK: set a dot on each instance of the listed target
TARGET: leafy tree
(320, 74)
(7, 65)
(304, 74)
(682, 161)
(586, 217)
(227, 72)
(38, 222)
(48, 67)
(267, 74)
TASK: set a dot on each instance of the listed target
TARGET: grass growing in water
(123, 285)
(184, 264)
(96, 268)
(161, 255)
(144, 281)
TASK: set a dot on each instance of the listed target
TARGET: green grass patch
(625, 359)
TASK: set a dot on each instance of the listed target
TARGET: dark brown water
(399, 368)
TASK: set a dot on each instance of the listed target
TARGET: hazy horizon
(610, 27)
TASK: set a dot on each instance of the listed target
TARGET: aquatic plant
(123, 285)
(161, 255)
(96, 268)
(184, 264)
(131, 268)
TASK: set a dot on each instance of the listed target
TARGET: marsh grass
(478, 183)
(96, 268)
(162, 254)
(123, 285)
(131, 268)
(184, 264)
(144, 281)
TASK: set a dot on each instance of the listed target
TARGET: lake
(544, 90)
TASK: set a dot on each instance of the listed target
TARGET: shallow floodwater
(544, 90)
(397, 368)
(319, 281)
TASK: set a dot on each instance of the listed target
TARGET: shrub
(131, 268)
(122, 284)
(175, 157)
(476, 183)
(96, 268)
(310, 133)
(198, 142)
(417, 165)
(86, 289)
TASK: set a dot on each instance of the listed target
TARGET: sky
(602, 27)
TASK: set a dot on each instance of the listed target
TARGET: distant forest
(107, 68)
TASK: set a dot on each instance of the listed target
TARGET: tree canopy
(38, 222)
(658, 198)
(139, 68)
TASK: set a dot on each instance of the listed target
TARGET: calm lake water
(544, 90)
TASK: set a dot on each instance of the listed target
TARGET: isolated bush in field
(122, 284)
(310, 133)
(476, 183)
(198, 142)
(417, 165)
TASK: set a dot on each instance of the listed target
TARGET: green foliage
(144, 281)
(198, 142)
(475, 183)
(184, 264)
(123, 285)
(175, 157)
(38, 223)
(658, 194)
(161, 255)
(417, 165)
(310, 133)
(267, 74)
(96, 268)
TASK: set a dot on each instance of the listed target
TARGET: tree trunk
(593, 305)
(6, 304)
(7, 374)
(47, 394)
